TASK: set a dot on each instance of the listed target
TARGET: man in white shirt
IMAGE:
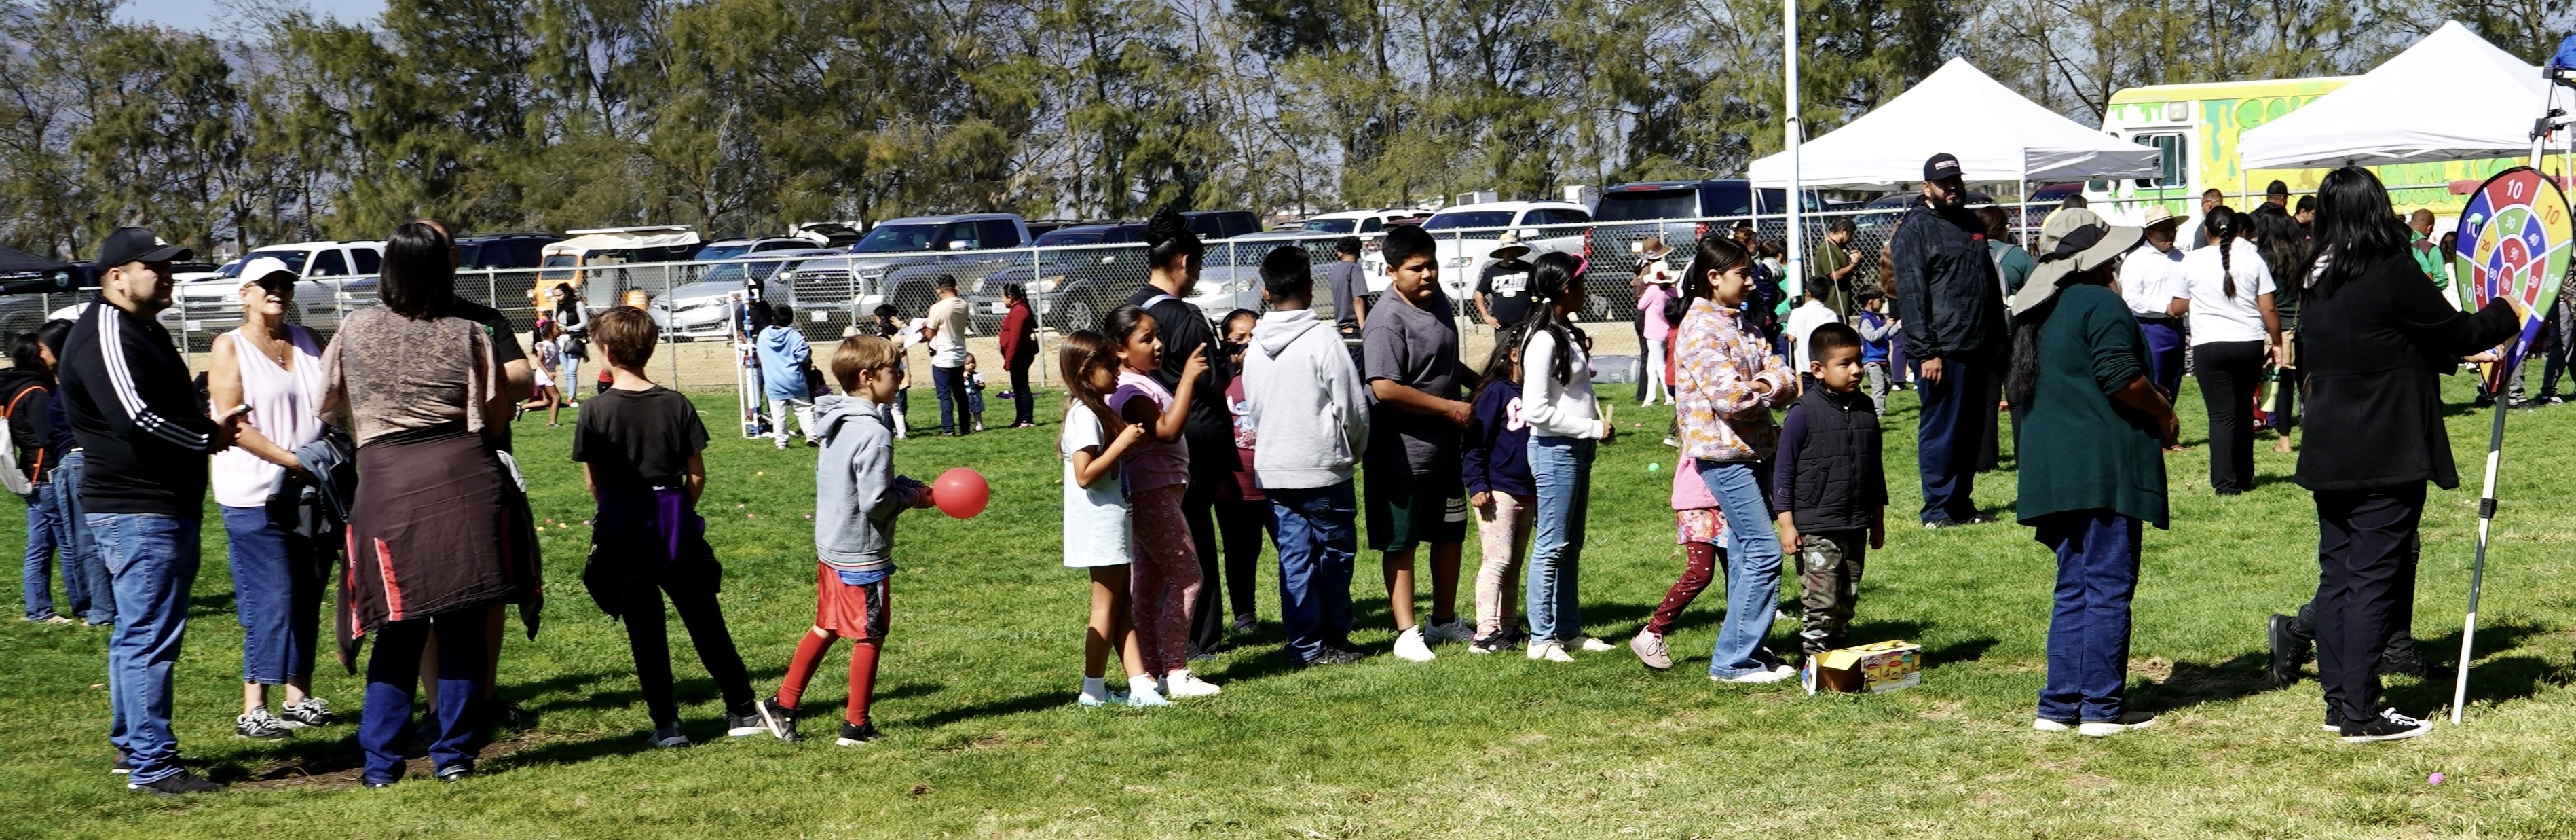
(1803, 322)
(2150, 280)
(948, 357)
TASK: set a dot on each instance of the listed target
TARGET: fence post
(1037, 325)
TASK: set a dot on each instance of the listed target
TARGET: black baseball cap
(134, 244)
(1941, 167)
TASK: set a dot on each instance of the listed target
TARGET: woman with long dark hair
(2285, 251)
(1019, 351)
(419, 390)
(2377, 336)
(2092, 468)
(1565, 429)
(2234, 333)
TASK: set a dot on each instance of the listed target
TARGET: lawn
(983, 739)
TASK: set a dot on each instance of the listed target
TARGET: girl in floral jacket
(1727, 383)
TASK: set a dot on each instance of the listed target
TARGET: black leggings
(647, 634)
(1024, 404)
(2229, 371)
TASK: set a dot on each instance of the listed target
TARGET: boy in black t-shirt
(639, 446)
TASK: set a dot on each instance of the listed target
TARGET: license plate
(821, 317)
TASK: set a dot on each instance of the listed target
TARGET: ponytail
(2225, 224)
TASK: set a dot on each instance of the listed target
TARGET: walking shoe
(1766, 675)
(1496, 643)
(2401, 658)
(2334, 720)
(261, 725)
(1650, 650)
(669, 735)
(1183, 684)
(1336, 656)
(1549, 651)
(176, 784)
(2046, 725)
(1455, 630)
(854, 735)
(57, 620)
(780, 720)
(1141, 692)
(782, 446)
(2107, 728)
(2288, 650)
(2389, 726)
(746, 724)
(1246, 623)
(1095, 692)
(124, 763)
(456, 772)
(1410, 647)
(310, 711)
(1593, 644)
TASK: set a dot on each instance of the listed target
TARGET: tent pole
(1796, 268)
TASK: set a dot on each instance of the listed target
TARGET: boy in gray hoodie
(856, 498)
(1309, 408)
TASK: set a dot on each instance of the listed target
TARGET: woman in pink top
(1657, 329)
(1729, 381)
(1163, 583)
(279, 561)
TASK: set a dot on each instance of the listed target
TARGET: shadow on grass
(2195, 683)
(998, 708)
(618, 689)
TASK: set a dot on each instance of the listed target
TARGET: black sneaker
(1496, 643)
(310, 711)
(2389, 726)
(176, 784)
(2334, 720)
(854, 735)
(780, 720)
(2402, 659)
(261, 725)
(456, 772)
(2288, 650)
(123, 765)
(1335, 656)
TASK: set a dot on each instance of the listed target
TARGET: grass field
(983, 739)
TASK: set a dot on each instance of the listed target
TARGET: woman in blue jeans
(1565, 426)
(276, 369)
(81, 560)
(27, 389)
(2092, 462)
(1726, 382)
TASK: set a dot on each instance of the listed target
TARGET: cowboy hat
(1508, 246)
(2072, 242)
(1652, 248)
(2157, 215)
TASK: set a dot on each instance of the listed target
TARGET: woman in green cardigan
(2092, 464)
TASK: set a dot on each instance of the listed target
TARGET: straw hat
(2072, 242)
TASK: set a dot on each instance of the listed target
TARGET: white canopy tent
(1998, 136)
(2451, 96)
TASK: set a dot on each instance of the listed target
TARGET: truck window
(997, 233)
(2173, 149)
(1631, 205)
(957, 232)
(367, 258)
(328, 263)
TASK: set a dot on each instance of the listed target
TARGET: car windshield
(230, 269)
(294, 260)
(720, 252)
(1331, 225)
(826, 264)
(1068, 237)
(892, 238)
(1647, 204)
(1469, 220)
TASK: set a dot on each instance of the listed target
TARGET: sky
(213, 16)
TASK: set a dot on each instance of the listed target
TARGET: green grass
(984, 740)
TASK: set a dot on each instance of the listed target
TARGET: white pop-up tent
(2451, 96)
(1998, 136)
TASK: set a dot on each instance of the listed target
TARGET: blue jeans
(1752, 566)
(1563, 469)
(153, 560)
(393, 670)
(277, 595)
(1318, 533)
(44, 534)
(79, 546)
(1956, 413)
(950, 383)
(2164, 357)
(2088, 635)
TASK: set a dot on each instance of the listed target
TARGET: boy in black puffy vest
(1827, 488)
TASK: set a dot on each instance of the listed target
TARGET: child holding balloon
(1164, 580)
(1097, 536)
(856, 498)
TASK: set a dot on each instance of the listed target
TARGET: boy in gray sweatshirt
(1309, 409)
(856, 498)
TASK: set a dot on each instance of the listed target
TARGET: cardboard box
(1886, 666)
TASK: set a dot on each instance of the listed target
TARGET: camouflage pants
(1829, 565)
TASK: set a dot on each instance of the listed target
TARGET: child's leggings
(1656, 388)
(1505, 531)
(857, 612)
(1699, 567)
(1163, 583)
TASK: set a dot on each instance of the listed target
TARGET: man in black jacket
(130, 402)
(1952, 306)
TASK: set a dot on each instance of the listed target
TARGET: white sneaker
(1592, 644)
(1095, 692)
(2105, 729)
(1549, 651)
(1454, 631)
(1141, 692)
(2046, 725)
(1758, 677)
(1410, 647)
(1183, 684)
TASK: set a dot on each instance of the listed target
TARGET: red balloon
(961, 493)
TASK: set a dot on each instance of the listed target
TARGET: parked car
(730, 248)
(891, 258)
(695, 311)
(828, 234)
(592, 262)
(337, 277)
(1222, 224)
(1467, 234)
(503, 250)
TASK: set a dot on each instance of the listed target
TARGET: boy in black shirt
(1828, 489)
(639, 445)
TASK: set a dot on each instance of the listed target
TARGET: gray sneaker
(261, 725)
(670, 736)
(310, 711)
(1650, 650)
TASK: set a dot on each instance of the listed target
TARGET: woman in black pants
(2235, 334)
(1019, 350)
(2375, 336)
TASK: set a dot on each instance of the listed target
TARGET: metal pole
(1797, 262)
(2478, 568)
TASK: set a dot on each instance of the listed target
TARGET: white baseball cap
(261, 269)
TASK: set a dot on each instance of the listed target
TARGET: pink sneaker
(1650, 650)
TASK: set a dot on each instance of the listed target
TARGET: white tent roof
(620, 239)
(1996, 134)
(2451, 96)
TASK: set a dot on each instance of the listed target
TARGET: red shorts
(849, 611)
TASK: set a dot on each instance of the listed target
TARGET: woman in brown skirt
(427, 553)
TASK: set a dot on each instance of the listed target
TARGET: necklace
(277, 353)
